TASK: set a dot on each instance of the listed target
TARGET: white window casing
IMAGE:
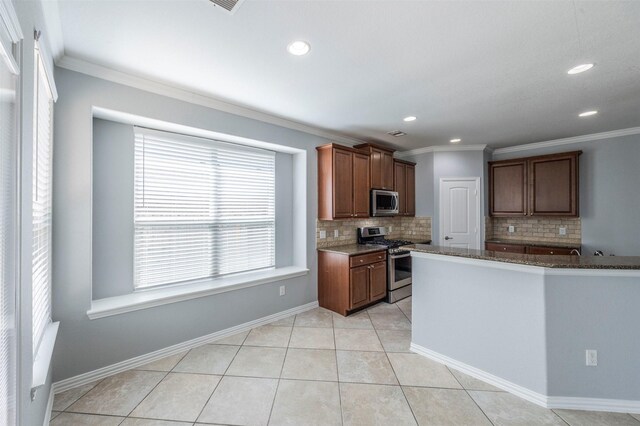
(41, 202)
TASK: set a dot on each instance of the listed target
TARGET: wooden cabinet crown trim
(536, 157)
(374, 146)
(341, 147)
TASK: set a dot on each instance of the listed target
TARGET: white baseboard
(101, 373)
(571, 403)
(47, 414)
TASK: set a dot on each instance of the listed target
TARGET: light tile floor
(315, 368)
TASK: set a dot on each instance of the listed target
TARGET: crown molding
(193, 97)
(569, 141)
(441, 148)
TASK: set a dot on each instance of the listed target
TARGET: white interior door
(460, 212)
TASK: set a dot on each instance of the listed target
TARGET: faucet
(575, 251)
(598, 253)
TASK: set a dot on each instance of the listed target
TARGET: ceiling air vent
(396, 133)
(229, 6)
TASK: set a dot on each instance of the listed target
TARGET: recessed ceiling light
(580, 68)
(409, 118)
(587, 113)
(456, 140)
(299, 48)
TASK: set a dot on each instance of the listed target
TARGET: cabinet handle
(379, 257)
(361, 260)
(504, 248)
(551, 252)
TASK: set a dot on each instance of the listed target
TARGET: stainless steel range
(398, 261)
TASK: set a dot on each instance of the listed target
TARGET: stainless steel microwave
(384, 203)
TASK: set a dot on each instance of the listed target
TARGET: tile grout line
(335, 354)
(275, 395)
(219, 381)
(78, 399)
(560, 417)
(396, 375)
(469, 395)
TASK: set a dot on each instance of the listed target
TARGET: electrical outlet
(283, 290)
(390, 229)
(512, 228)
(336, 233)
(562, 230)
(323, 235)
(592, 358)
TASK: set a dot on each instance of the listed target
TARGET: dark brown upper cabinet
(535, 186)
(343, 182)
(404, 178)
(380, 164)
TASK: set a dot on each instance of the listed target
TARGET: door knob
(448, 238)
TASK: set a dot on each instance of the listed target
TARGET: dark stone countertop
(353, 249)
(556, 261)
(534, 243)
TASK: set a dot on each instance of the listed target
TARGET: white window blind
(203, 208)
(42, 176)
(8, 234)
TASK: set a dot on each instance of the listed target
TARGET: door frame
(478, 207)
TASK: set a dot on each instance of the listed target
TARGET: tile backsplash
(409, 228)
(544, 229)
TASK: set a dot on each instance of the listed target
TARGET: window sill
(42, 360)
(147, 299)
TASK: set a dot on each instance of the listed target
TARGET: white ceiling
(488, 72)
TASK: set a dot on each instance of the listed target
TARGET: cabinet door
(508, 188)
(548, 250)
(360, 185)
(359, 286)
(377, 281)
(554, 186)
(410, 205)
(506, 248)
(342, 184)
(376, 168)
(400, 185)
(387, 170)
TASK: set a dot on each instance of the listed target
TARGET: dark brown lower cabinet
(506, 248)
(528, 249)
(347, 283)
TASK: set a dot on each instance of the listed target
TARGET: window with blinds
(41, 196)
(203, 208)
(8, 233)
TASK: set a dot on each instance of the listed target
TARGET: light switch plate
(323, 235)
(562, 230)
(592, 358)
(512, 228)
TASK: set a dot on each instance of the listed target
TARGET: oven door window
(402, 271)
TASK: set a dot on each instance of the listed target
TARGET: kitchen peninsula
(524, 323)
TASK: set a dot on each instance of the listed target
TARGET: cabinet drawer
(506, 248)
(548, 250)
(365, 259)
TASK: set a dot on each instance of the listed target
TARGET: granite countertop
(534, 243)
(577, 262)
(353, 249)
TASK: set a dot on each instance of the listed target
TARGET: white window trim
(145, 299)
(42, 360)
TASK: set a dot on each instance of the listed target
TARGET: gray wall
(113, 180)
(432, 166)
(598, 313)
(31, 17)
(532, 329)
(495, 325)
(85, 345)
(609, 183)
